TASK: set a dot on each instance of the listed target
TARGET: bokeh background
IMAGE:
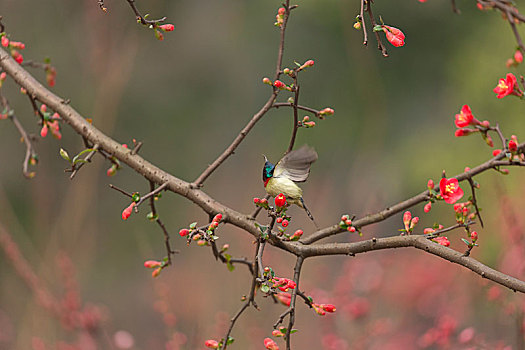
(186, 98)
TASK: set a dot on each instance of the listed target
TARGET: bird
(282, 177)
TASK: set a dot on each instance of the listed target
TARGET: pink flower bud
(345, 217)
(428, 230)
(150, 264)
(5, 41)
(394, 35)
(256, 200)
(284, 298)
(351, 229)
(407, 217)
(111, 171)
(474, 235)
(443, 241)
(212, 344)
(327, 111)
(285, 223)
(308, 63)
(430, 184)
(357, 25)
(518, 56)
(184, 232)
(3, 75)
(43, 131)
(496, 152)
(279, 220)
(348, 222)
(43, 108)
(167, 27)
(201, 243)
(463, 132)
(485, 124)
(427, 207)
(281, 11)
(269, 344)
(126, 213)
(267, 81)
(414, 222)
(217, 218)
(156, 272)
(309, 124)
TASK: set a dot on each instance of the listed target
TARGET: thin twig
(380, 44)
(291, 320)
(295, 116)
(76, 168)
(474, 201)
(362, 19)
(169, 251)
(121, 191)
(141, 18)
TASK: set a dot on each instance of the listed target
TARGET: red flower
(5, 41)
(506, 86)
(270, 344)
(394, 36)
(465, 117)
(442, 240)
(280, 200)
(450, 190)
(279, 84)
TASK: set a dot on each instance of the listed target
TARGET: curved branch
(419, 242)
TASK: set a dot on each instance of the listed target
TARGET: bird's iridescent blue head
(267, 170)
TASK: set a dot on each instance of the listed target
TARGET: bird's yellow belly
(285, 186)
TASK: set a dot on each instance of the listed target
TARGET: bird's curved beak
(265, 159)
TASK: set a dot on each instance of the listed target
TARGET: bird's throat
(266, 181)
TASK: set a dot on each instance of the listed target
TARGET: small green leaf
(151, 216)
(230, 340)
(230, 266)
(265, 288)
(135, 197)
(193, 225)
(466, 242)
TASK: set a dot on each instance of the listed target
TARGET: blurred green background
(188, 96)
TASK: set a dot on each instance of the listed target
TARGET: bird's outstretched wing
(296, 164)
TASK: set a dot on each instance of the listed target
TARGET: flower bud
(518, 56)
(513, 147)
(279, 220)
(327, 111)
(269, 344)
(150, 264)
(5, 41)
(167, 27)
(217, 218)
(285, 223)
(430, 184)
(357, 25)
(212, 344)
(407, 217)
(427, 207)
(156, 272)
(496, 152)
(474, 235)
(267, 81)
(328, 307)
(279, 84)
(126, 213)
(281, 11)
(256, 200)
(184, 232)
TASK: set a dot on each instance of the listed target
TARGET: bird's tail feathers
(308, 213)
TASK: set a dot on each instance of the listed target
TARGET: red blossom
(506, 86)
(328, 307)
(217, 218)
(285, 223)
(465, 117)
(280, 200)
(474, 235)
(5, 41)
(184, 232)
(427, 207)
(281, 11)
(394, 35)
(270, 344)
(310, 63)
(450, 190)
(496, 152)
